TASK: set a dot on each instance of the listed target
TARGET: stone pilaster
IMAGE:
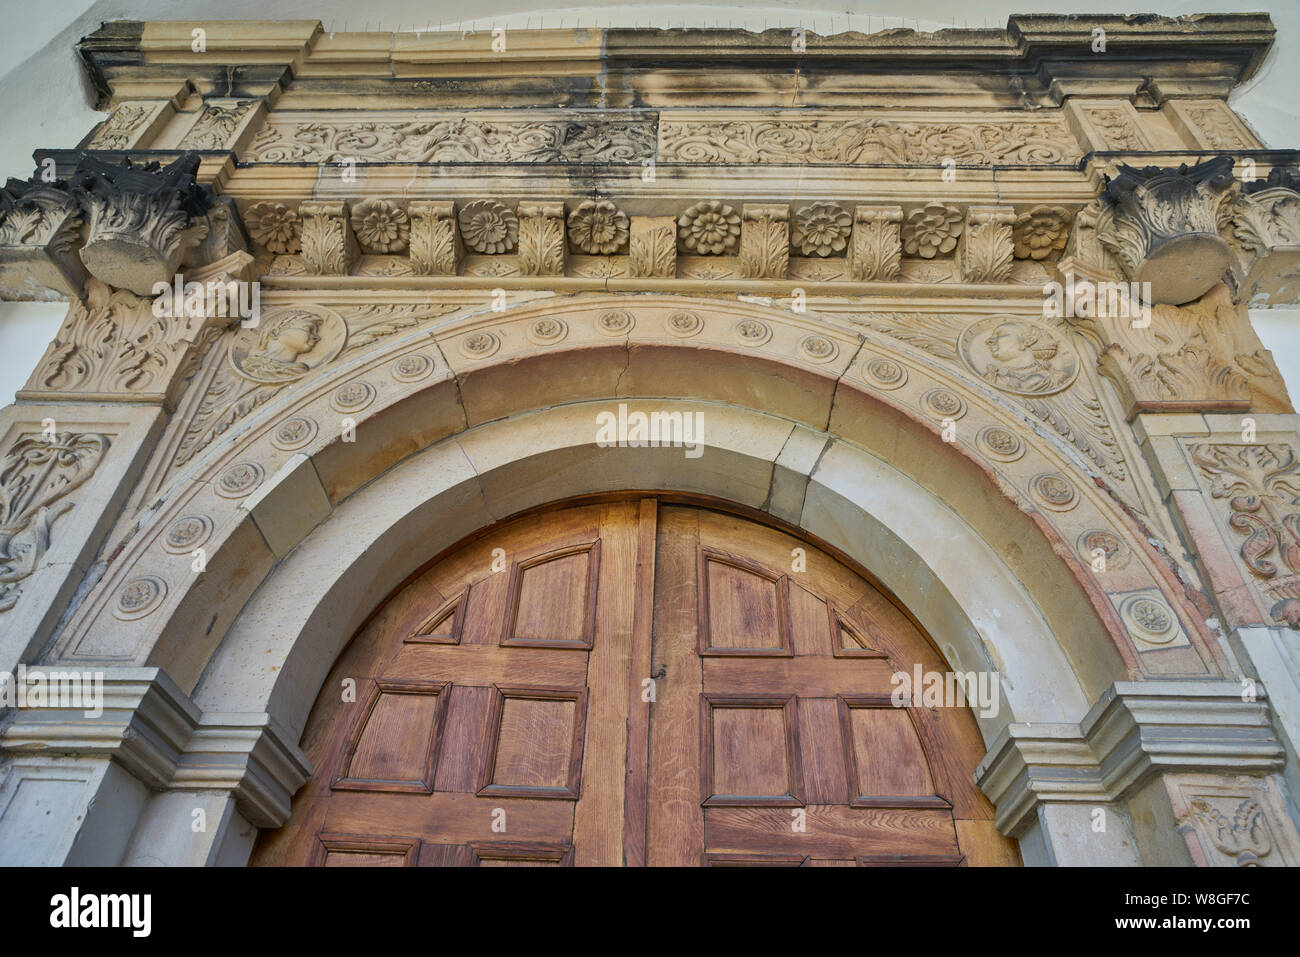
(142, 734)
(1082, 793)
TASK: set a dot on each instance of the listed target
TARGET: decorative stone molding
(931, 230)
(217, 125)
(1260, 487)
(1265, 234)
(130, 126)
(112, 347)
(380, 226)
(328, 246)
(37, 473)
(1135, 731)
(1162, 225)
(155, 731)
(765, 241)
(984, 250)
(467, 138)
(709, 228)
(436, 248)
(1232, 822)
(822, 229)
(1201, 356)
(40, 224)
(1041, 231)
(140, 220)
(541, 239)
(275, 227)
(653, 247)
(877, 243)
(876, 138)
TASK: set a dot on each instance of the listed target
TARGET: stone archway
(457, 425)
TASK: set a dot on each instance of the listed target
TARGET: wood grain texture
(490, 712)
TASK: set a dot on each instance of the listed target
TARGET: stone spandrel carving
(253, 365)
(40, 224)
(141, 220)
(468, 138)
(1260, 484)
(1162, 226)
(876, 140)
(36, 475)
(1032, 361)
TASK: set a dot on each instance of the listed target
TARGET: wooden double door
(636, 683)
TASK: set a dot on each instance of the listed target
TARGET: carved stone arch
(816, 392)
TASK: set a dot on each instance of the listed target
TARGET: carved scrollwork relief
(1260, 484)
(36, 475)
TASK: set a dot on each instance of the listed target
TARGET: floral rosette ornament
(381, 226)
(709, 228)
(1040, 231)
(931, 230)
(598, 227)
(275, 227)
(821, 229)
(487, 226)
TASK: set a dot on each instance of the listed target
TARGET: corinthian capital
(1162, 225)
(40, 225)
(141, 220)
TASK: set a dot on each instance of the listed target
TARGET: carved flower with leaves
(709, 228)
(275, 227)
(931, 230)
(487, 226)
(598, 227)
(381, 226)
(1040, 231)
(821, 229)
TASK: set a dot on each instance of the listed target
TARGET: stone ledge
(1135, 730)
(153, 729)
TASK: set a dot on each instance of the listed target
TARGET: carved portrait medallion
(287, 344)
(1018, 355)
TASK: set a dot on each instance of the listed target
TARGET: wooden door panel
(635, 683)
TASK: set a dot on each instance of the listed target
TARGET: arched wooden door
(636, 683)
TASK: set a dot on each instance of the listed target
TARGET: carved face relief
(1018, 356)
(287, 345)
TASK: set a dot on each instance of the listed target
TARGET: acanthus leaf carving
(40, 223)
(541, 239)
(653, 247)
(1162, 225)
(36, 475)
(140, 220)
(985, 248)
(328, 246)
(877, 249)
(215, 126)
(765, 241)
(436, 248)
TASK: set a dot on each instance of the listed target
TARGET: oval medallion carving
(1017, 355)
(287, 344)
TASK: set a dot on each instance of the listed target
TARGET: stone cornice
(156, 732)
(1043, 59)
(1135, 730)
